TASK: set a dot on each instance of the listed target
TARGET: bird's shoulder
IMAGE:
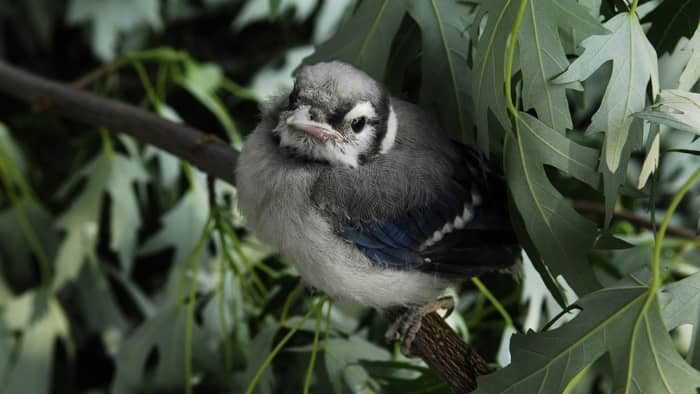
(424, 205)
(419, 163)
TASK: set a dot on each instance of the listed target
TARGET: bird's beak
(301, 120)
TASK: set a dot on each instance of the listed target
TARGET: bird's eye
(358, 124)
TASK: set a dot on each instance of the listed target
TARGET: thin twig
(636, 219)
(89, 79)
(205, 151)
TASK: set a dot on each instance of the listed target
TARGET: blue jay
(368, 198)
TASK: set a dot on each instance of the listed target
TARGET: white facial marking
(344, 152)
(363, 108)
(390, 136)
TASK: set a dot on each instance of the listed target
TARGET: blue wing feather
(486, 241)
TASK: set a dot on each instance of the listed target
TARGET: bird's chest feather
(280, 212)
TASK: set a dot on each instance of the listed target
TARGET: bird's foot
(408, 323)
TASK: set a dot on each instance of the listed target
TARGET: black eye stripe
(335, 118)
(339, 114)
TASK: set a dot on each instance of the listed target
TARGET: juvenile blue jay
(368, 198)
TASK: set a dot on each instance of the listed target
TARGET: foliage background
(121, 272)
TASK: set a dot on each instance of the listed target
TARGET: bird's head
(336, 114)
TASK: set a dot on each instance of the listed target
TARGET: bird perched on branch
(368, 198)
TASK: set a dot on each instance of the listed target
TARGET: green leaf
(165, 335)
(613, 180)
(181, 224)
(573, 35)
(15, 251)
(203, 81)
(41, 323)
(677, 109)
(342, 362)
(446, 77)
(651, 161)
(168, 165)
(683, 307)
(621, 321)
(534, 256)
(542, 56)
(111, 174)
(259, 348)
(634, 65)
(100, 308)
(541, 305)
(274, 8)
(365, 39)
(6, 344)
(680, 69)
(109, 20)
(13, 151)
(691, 71)
(276, 76)
(330, 15)
(263, 10)
(671, 20)
(488, 90)
(562, 237)
(404, 377)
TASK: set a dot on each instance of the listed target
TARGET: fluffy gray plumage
(295, 198)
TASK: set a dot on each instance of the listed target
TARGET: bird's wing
(462, 231)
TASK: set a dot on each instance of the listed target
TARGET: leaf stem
(147, 86)
(7, 173)
(196, 264)
(291, 298)
(496, 304)
(656, 261)
(511, 56)
(268, 360)
(195, 255)
(314, 350)
(107, 143)
(328, 325)
(228, 345)
(633, 8)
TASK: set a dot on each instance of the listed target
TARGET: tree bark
(444, 352)
(455, 362)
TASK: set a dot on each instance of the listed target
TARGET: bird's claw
(409, 322)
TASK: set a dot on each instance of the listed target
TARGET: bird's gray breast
(274, 191)
(275, 194)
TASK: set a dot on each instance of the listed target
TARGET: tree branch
(435, 343)
(205, 151)
(635, 219)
